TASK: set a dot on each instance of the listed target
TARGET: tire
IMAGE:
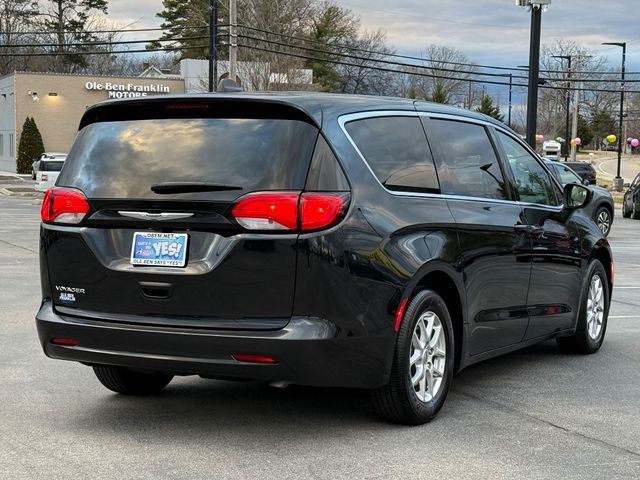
(127, 382)
(603, 219)
(398, 401)
(635, 212)
(592, 322)
(625, 214)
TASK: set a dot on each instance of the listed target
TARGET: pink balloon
(635, 142)
(577, 140)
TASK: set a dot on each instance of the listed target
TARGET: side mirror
(585, 182)
(575, 196)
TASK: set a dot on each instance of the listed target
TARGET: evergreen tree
(584, 131)
(70, 21)
(30, 146)
(488, 108)
(440, 94)
(186, 19)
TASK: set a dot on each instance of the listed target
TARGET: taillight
(62, 205)
(319, 210)
(289, 210)
(267, 211)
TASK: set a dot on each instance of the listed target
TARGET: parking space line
(624, 316)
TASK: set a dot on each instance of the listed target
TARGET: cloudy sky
(488, 31)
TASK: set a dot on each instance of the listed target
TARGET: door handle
(533, 230)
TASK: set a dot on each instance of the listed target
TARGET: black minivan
(313, 239)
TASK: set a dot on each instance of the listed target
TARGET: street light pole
(566, 136)
(618, 182)
(536, 7)
(534, 70)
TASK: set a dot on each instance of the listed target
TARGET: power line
(129, 30)
(388, 62)
(420, 74)
(93, 44)
(423, 59)
(407, 57)
(101, 52)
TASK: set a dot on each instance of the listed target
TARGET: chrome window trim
(344, 119)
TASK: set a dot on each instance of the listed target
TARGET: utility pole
(566, 136)
(618, 182)
(213, 53)
(233, 39)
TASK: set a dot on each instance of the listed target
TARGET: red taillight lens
(283, 211)
(268, 211)
(319, 210)
(64, 206)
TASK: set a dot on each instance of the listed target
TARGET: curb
(25, 192)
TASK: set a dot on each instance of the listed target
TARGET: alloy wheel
(595, 307)
(604, 221)
(427, 357)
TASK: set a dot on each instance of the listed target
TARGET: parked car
(631, 200)
(35, 165)
(313, 239)
(584, 169)
(601, 207)
(48, 171)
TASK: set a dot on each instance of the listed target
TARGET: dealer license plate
(159, 249)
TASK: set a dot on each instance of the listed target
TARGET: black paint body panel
(322, 303)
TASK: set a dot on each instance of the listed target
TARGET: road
(606, 167)
(536, 413)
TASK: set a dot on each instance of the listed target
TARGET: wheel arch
(602, 254)
(442, 279)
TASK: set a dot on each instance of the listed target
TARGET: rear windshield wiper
(189, 187)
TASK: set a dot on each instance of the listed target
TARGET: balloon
(635, 142)
(539, 138)
(573, 142)
(577, 141)
(612, 139)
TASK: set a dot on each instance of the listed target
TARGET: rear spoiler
(198, 106)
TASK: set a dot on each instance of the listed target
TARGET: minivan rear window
(124, 159)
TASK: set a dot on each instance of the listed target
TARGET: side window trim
(349, 117)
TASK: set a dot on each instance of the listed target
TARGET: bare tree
(16, 16)
(447, 80)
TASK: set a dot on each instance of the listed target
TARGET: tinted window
(123, 159)
(396, 149)
(532, 181)
(467, 163)
(51, 166)
(566, 175)
(325, 173)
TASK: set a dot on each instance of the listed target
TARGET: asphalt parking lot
(536, 413)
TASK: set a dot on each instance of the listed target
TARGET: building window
(11, 145)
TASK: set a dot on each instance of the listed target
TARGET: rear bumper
(309, 351)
